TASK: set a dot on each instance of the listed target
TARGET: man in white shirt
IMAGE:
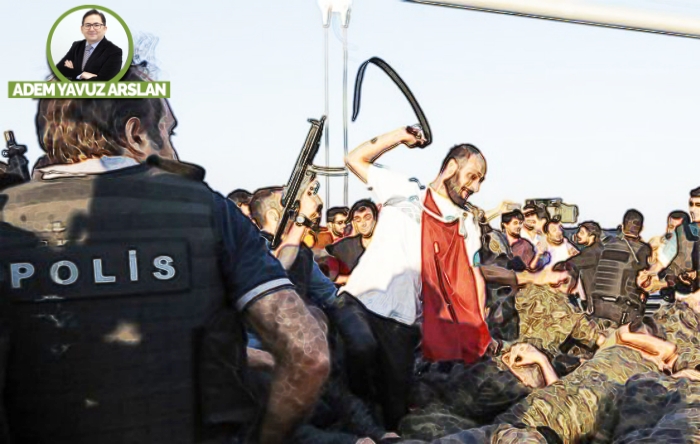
(558, 246)
(428, 236)
(533, 226)
(422, 266)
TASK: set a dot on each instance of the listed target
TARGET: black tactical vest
(120, 327)
(616, 295)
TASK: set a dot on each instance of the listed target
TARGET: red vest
(452, 324)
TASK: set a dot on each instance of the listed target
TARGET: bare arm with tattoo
(359, 160)
(302, 363)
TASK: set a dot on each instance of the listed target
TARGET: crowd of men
(138, 305)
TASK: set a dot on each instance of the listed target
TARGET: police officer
(125, 282)
(313, 286)
(616, 294)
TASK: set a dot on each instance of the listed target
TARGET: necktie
(88, 52)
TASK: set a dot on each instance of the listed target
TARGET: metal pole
(345, 111)
(630, 17)
(326, 113)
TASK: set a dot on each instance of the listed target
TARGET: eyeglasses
(97, 26)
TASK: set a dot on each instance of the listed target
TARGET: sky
(605, 119)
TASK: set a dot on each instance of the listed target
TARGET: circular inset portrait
(89, 43)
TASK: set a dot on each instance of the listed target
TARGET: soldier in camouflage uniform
(574, 407)
(466, 396)
(594, 403)
(657, 408)
(654, 408)
(681, 324)
(473, 395)
(548, 320)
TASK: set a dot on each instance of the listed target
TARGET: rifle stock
(302, 175)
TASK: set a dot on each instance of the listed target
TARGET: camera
(556, 208)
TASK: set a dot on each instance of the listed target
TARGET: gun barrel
(10, 138)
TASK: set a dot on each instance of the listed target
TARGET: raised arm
(309, 206)
(302, 364)
(359, 160)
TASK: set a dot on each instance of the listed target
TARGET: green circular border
(129, 56)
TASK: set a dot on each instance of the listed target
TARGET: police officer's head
(632, 223)
(462, 172)
(266, 208)
(73, 130)
(694, 205)
(242, 200)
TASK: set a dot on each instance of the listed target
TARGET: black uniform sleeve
(250, 271)
(4, 357)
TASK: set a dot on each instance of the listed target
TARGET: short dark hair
(94, 12)
(265, 199)
(73, 130)
(460, 153)
(680, 214)
(540, 211)
(592, 227)
(240, 197)
(361, 205)
(334, 211)
(633, 222)
(506, 218)
(695, 192)
(552, 221)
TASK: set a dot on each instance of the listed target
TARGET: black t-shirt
(348, 251)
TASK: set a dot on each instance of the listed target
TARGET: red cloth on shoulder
(453, 328)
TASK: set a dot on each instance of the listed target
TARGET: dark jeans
(380, 354)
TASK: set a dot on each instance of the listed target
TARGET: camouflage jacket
(682, 327)
(547, 319)
(573, 406)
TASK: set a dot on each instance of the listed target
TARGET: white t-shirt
(387, 279)
(560, 253)
(533, 237)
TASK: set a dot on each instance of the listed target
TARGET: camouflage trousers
(494, 434)
(576, 406)
(656, 408)
(464, 397)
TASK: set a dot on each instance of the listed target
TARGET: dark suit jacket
(105, 61)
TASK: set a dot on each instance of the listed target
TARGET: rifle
(16, 170)
(302, 175)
